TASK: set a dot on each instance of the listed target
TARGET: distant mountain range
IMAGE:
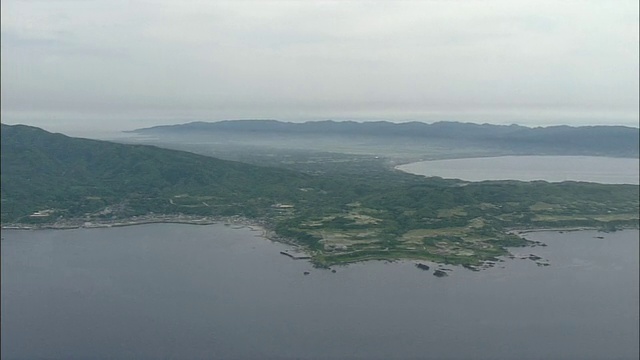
(582, 140)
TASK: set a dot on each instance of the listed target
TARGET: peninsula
(376, 213)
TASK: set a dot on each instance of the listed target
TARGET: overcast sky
(110, 64)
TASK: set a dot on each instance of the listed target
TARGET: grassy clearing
(543, 206)
(457, 211)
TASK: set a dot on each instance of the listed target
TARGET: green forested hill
(41, 170)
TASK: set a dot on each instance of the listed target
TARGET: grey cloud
(421, 60)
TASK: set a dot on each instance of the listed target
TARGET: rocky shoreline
(520, 232)
(261, 225)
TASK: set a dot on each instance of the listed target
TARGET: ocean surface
(169, 291)
(603, 170)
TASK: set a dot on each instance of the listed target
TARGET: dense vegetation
(41, 170)
(338, 215)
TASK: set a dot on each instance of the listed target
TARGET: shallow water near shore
(211, 291)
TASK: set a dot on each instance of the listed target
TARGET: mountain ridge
(597, 140)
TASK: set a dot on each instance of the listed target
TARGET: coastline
(267, 232)
(237, 221)
(520, 232)
(582, 173)
(138, 220)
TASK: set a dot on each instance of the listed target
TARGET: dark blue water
(198, 292)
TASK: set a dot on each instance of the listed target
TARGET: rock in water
(440, 273)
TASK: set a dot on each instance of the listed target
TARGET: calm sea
(168, 291)
(603, 170)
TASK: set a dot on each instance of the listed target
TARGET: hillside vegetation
(338, 217)
(41, 170)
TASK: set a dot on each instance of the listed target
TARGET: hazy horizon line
(73, 128)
